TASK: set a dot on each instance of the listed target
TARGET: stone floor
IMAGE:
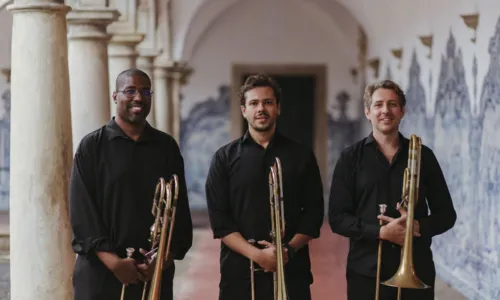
(197, 275)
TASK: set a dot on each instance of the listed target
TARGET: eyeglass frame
(136, 92)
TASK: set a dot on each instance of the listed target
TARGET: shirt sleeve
(182, 236)
(443, 214)
(217, 193)
(89, 232)
(313, 206)
(341, 212)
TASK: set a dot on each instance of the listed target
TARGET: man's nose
(138, 96)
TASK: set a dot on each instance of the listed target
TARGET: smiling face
(260, 109)
(385, 111)
(133, 99)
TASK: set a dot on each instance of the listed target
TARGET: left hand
(403, 212)
(147, 268)
(284, 250)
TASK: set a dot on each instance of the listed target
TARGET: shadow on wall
(461, 133)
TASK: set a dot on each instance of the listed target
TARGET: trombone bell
(405, 277)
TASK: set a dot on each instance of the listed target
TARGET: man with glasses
(113, 178)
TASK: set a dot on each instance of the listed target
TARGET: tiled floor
(198, 275)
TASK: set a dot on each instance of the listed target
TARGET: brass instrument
(164, 208)
(277, 232)
(405, 276)
(383, 207)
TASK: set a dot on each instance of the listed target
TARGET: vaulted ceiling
(192, 19)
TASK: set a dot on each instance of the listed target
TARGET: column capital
(80, 18)
(27, 6)
(123, 44)
(179, 70)
(160, 72)
(127, 39)
(6, 73)
(149, 53)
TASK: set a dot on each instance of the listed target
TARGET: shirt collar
(370, 139)
(114, 131)
(247, 138)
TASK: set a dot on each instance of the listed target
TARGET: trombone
(277, 232)
(164, 208)
(405, 276)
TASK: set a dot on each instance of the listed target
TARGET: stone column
(145, 62)
(88, 67)
(160, 99)
(122, 56)
(41, 259)
(178, 73)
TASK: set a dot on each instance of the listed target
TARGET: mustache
(262, 115)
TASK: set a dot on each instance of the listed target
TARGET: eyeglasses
(130, 93)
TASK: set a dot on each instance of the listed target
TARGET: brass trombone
(405, 276)
(164, 208)
(277, 232)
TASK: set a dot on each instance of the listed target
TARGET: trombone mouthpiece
(382, 207)
(130, 252)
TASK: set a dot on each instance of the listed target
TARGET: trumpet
(405, 276)
(164, 209)
(277, 232)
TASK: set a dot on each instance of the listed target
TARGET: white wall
(278, 32)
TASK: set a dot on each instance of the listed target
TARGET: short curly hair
(259, 80)
(384, 84)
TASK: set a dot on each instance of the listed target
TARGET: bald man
(113, 179)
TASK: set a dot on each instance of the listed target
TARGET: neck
(261, 137)
(390, 140)
(132, 130)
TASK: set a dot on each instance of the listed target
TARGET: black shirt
(237, 191)
(363, 178)
(112, 185)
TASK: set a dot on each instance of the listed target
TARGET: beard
(262, 127)
(134, 118)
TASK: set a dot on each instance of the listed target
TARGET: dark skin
(131, 113)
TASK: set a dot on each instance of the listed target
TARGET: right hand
(394, 231)
(267, 257)
(126, 271)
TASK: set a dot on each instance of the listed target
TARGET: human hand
(126, 271)
(148, 266)
(267, 257)
(395, 229)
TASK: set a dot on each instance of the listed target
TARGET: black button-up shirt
(112, 185)
(237, 191)
(363, 178)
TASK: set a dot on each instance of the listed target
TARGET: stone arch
(209, 11)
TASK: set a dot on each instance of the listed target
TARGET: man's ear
(367, 112)
(243, 110)
(114, 97)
